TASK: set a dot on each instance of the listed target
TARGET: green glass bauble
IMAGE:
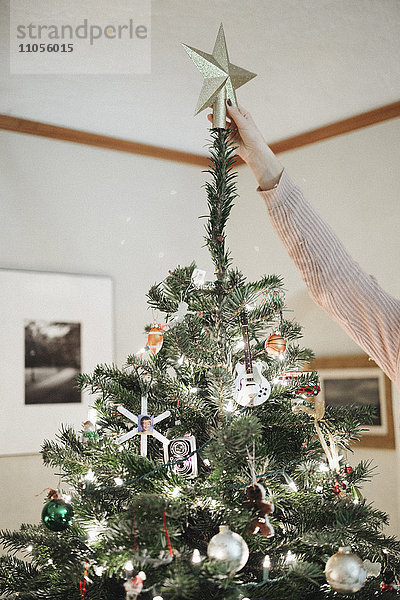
(57, 515)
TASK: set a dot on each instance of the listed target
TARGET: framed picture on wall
(53, 326)
(358, 380)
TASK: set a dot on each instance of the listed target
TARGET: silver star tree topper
(221, 78)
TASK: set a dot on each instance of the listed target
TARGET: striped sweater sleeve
(334, 280)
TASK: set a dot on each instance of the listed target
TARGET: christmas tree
(214, 470)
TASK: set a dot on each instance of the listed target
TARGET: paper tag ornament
(198, 277)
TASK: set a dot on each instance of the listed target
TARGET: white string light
(29, 548)
(128, 565)
(196, 557)
(92, 415)
(118, 481)
(230, 407)
(90, 476)
(176, 492)
(266, 567)
(290, 559)
(99, 571)
(94, 532)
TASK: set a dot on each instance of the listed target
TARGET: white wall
(71, 208)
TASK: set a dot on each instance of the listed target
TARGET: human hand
(252, 147)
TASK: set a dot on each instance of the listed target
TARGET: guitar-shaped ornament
(251, 387)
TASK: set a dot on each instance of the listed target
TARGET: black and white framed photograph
(52, 362)
(54, 326)
(347, 380)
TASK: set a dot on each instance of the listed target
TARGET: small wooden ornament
(275, 345)
(155, 339)
(256, 498)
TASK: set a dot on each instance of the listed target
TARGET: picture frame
(53, 326)
(358, 380)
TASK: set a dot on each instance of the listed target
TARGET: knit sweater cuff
(280, 193)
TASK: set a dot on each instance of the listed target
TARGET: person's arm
(335, 281)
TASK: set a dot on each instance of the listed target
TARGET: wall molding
(371, 117)
(9, 123)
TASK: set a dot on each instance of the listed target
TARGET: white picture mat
(369, 373)
(49, 297)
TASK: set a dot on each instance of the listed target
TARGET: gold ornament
(221, 78)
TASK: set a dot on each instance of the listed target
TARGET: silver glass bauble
(230, 548)
(345, 571)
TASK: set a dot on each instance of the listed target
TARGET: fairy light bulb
(128, 565)
(230, 406)
(266, 567)
(92, 415)
(93, 534)
(290, 483)
(196, 557)
(176, 492)
(118, 481)
(290, 559)
(158, 598)
(267, 561)
(29, 548)
(90, 476)
(99, 571)
(67, 498)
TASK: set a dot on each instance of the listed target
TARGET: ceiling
(318, 61)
